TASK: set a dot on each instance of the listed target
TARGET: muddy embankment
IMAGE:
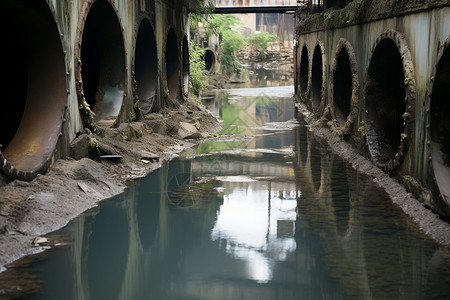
(71, 186)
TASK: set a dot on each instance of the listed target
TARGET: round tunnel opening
(103, 63)
(146, 66)
(210, 60)
(172, 64)
(440, 125)
(33, 86)
(342, 87)
(316, 78)
(304, 70)
(385, 102)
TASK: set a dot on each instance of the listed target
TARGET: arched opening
(185, 65)
(342, 87)
(103, 63)
(304, 70)
(440, 125)
(146, 66)
(210, 60)
(385, 101)
(33, 88)
(316, 79)
(172, 65)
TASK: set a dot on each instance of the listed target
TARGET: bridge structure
(255, 6)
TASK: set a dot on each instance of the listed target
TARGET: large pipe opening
(103, 63)
(316, 79)
(33, 87)
(440, 125)
(172, 65)
(385, 102)
(304, 70)
(146, 66)
(342, 87)
(210, 60)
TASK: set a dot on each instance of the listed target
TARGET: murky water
(271, 215)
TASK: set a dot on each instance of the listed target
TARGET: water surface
(273, 214)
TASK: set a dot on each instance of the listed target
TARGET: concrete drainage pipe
(33, 88)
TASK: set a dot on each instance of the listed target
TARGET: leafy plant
(225, 26)
(260, 41)
(197, 68)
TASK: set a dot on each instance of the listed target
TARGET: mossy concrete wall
(418, 31)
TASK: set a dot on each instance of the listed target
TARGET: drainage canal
(33, 87)
(172, 64)
(440, 124)
(102, 64)
(387, 94)
(317, 79)
(146, 66)
(304, 71)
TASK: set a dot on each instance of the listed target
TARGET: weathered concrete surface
(415, 32)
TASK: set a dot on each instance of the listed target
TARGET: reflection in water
(283, 218)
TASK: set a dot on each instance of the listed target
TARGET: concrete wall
(390, 65)
(68, 59)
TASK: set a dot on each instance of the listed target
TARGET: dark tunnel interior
(385, 101)
(316, 78)
(304, 70)
(210, 60)
(342, 87)
(172, 64)
(146, 66)
(440, 125)
(103, 63)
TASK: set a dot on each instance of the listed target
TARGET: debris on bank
(100, 167)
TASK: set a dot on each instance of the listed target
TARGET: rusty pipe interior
(33, 84)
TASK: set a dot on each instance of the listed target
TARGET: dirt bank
(49, 202)
(428, 221)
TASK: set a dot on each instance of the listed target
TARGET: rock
(188, 131)
(84, 146)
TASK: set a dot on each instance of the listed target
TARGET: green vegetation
(196, 68)
(260, 41)
(225, 26)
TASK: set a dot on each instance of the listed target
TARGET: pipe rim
(34, 145)
(344, 128)
(86, 113)
(409, 99)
